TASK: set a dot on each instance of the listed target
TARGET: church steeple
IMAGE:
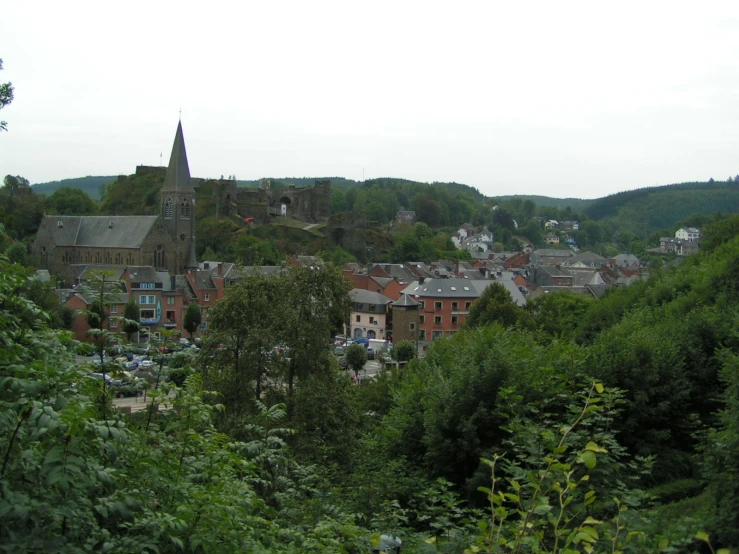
(178, 172)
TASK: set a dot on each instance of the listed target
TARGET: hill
(666, 206)
(576, 204)
(90, 184)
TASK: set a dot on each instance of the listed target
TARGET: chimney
(456, 268)
(421, 280)
(220, 269)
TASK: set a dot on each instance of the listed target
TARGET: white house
(691, 234)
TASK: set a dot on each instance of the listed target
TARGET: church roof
(106, 231)
(178, 172)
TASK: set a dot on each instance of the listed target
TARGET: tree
(404, 351)
(356, 355)
(132, 318)
(193, 318)
(17, 253)
(494, 306)
(70, 201)
(6, 97)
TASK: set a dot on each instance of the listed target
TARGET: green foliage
(546, 497)
(193, 318)
(93, 186)
(17, 253)
(6, 97)
(21, 209)
(356, 356)
(721, 456)
(69, 201)
(558, 314)
(495, 305)
(404, 351)
(677, 490)
(132, 317)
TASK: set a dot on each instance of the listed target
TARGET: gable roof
(368, 297)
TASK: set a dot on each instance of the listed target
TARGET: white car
(147, 364)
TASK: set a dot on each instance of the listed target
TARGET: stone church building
(66, 244)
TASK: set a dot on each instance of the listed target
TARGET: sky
(565, 99)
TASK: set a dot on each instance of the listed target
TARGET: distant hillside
(576, 204)
(665, 206)
(90, 184)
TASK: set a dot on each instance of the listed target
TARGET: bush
(677, 490)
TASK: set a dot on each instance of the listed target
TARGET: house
(690, 234)
(551, 224)
(667, 244)
(624, 261)
(444, 304)
(585, 259)
(551, 238)
(568, 226)
(549, 256)
(405, 216)
(368, 317)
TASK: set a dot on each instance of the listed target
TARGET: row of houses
(424, 302)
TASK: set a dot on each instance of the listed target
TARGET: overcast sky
(578, 99)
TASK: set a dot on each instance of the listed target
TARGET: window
(437, 320)
(152, 300)
(170, 301)
(168, 208)
(412, 326)
(455, 319)
(436, 335)
(143, 300)
(423, 304)
(421, 334)
(114, 309)
(455, 306)
(422, 319)
(207, 297)
(467, 305)
(114, 323)
(437, 306)
(359, 318)
(372, 320)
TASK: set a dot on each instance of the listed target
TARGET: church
(67, 245)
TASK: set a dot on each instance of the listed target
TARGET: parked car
(339, 350)
(108, 379)
(147, 364)
(370, 354)
(184, 342)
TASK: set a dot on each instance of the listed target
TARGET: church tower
(178, 207)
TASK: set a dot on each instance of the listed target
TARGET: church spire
(178, 172)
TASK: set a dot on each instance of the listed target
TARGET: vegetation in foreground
(611, 430)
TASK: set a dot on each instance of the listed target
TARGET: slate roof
(80, 271)
(588, 258)
(143, 274)
(177, 177)
(368, 297)
(382, 281)
(405, 300)
(109, 231)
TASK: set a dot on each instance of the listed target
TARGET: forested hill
(92, 185)
(663, 206)
(575, 204)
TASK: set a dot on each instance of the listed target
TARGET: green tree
(70, 201)
(17, 253)
(6, 97)
(404, 351)
(21, 209)
(558, 313)
(131, 319)
(193, 318)
(356, 356)
(495, 305)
